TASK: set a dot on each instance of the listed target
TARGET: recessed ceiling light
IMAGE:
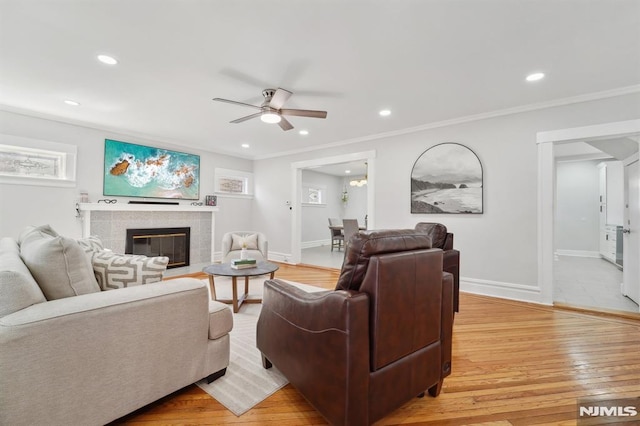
(72, 103)
(304, 132)
(535, 76)
(385, 113)
(347, 171)
(245, 145)
(106, 59)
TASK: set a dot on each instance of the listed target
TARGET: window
(313, 194)
(233, 182)
(36, 162)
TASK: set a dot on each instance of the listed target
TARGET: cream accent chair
(257, 245)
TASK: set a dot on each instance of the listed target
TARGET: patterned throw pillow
(91, 244)
(249, 240)
(125, 270)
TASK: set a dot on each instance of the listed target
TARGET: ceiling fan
(271, 110)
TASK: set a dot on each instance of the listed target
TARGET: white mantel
(85, 210)
(144, 207)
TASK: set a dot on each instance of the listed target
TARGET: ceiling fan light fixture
(270, 117)
(358, 182)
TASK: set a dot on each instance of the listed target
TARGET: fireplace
(171, 242)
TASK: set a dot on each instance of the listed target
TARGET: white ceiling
(427, 61)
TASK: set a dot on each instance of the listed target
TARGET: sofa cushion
(58, 264)
(18, 289)
(250, 240)
(125, 270)
(365, 244)
(220, 320)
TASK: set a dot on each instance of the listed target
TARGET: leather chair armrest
(450, 258)
(313, 312)
(320, 342)
(448, 242)
(451, 264)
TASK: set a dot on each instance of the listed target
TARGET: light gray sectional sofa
(73, 354)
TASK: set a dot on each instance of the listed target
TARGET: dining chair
(350, 229)
(337, 237)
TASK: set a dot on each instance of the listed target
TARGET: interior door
(631, 229)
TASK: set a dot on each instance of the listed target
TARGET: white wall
(23, 205)
(498, 248)
(356, 206)
(577, 228)
(315, 223)
(615, 193)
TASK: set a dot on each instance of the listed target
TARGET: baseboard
(280, 257)
(316, 243)
(578, 253)
(511, 291)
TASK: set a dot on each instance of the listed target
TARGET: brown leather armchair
(381, 338)
(442, 239)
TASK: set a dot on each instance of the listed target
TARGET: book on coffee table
(244, 266)
(243, 263)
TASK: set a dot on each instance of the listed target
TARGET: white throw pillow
(249, 240)
(58, 264)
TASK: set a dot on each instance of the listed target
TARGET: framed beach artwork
(132, 170)
(447, 178)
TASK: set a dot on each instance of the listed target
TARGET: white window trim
(66, 155)
(229, 173)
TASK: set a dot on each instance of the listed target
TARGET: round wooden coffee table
(225, 270)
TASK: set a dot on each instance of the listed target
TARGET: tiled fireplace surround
(110, 222)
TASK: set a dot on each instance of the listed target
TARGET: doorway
(297, 190)
(631, 224)
(548, 142)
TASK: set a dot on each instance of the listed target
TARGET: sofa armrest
(220, 319)
(139, 343)
(320, 342)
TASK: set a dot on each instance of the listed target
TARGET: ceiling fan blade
(304, 113)
(284, 124)
(236, 103)
(279, 98)
(248, 117)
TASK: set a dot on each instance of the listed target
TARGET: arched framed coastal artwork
(447, 178)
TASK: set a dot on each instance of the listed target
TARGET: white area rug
(246, 382)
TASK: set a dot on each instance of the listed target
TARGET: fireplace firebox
(171, 242)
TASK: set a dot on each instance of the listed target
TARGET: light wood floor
(513, 364)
